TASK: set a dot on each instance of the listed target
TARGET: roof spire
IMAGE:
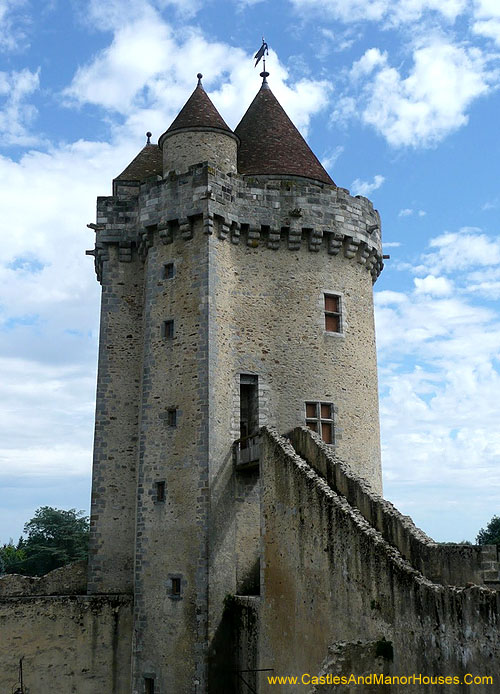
(199, 76)
(148, 135)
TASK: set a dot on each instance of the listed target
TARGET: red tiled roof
(271, 144)
(199, 112)
(149, 162)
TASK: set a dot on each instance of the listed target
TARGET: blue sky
(400, 101)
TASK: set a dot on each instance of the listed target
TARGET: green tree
(11, 557)
(491, 534)
(54, 538)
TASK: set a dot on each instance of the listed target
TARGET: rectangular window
(167, 329)
(149, 685)
(172, 417)
(319, 418)
(175, 587)
(333, 313)
(160, 491)
(168, 271)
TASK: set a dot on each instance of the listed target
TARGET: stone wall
(448, 564)
(329, 576)
(182, 149)
(68, 580)
(112, 514)
(69, 644)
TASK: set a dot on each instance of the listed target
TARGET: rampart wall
(329, 577)
(449, 564)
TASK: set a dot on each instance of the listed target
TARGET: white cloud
(12, 25)
(359, 187)
(390, 11)
(329, 160)
(148, 72)
(459, 250)
(438, 357)
(428, 104)
(16, 113)
(435, 286)
(406, 212)
(487, 15)
(392, 244)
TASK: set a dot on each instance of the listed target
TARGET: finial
(148, 135)
(264, 76)
(199, 76)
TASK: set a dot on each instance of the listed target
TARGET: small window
(172, 417)
(160, 491)
(149, 685)
(167, 331)
(319, 418)
(168, 271)
(333, 313)
(175, 587)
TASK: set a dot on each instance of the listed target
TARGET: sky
(399, 99)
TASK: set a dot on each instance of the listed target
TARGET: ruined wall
(69, 644)
(330, 577)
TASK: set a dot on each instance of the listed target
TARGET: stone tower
(236, 293)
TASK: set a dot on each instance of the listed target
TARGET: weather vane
(263, 51)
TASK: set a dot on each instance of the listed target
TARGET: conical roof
(271, 144)
(198, 112)
(148, 162)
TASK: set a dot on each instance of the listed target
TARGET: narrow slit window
(333, 313)
(167, 331)
(320, 418)
(149, 685)
(168, 271)
(172, 417)
(175, 586)
(160, 491)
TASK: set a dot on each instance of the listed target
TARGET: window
(333, 313)
(168, 271)
(167, 329)
(160, 489)
(319, 418)
(172, 417)
(175, 586)
(149, 685)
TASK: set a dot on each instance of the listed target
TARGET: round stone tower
(237, 292)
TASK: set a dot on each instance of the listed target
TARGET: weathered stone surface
(68, 580)
(68, 643)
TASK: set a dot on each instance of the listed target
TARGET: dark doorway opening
(249, 405)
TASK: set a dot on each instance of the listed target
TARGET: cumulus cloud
(439, 404)
(466, 248)
(359, 187)
(149, 70)
(487, 19)
(16, 112)
(431, 101)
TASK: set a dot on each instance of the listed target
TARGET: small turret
(199, 133)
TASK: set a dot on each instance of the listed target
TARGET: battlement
(250, 210)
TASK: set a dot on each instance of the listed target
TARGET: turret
(199, 133)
